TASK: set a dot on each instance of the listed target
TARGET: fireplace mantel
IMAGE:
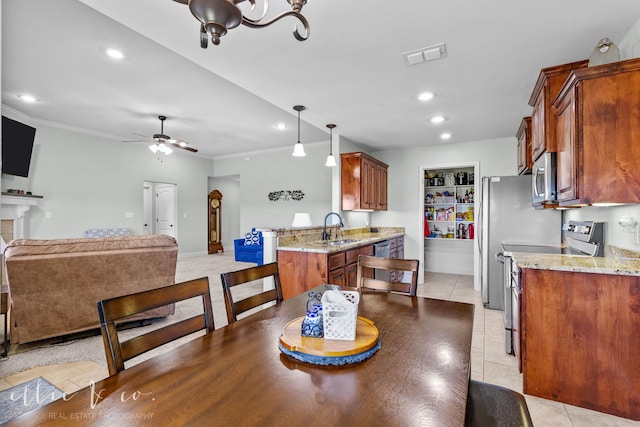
(14, 207)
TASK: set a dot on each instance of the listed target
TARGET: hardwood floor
(68, 377)
(489, 361)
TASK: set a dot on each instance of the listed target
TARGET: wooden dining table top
(237, 376)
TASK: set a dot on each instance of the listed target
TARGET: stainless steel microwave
(543, 179)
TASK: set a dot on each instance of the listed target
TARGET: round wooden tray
(366, 338)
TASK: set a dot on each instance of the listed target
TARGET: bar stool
(489, 405)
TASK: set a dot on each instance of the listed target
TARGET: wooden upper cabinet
(363, 182)
(525, 162)
(598, 139)
(543, 116)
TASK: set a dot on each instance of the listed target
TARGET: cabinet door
(338, 277)
(525, 164)
(368, 184)
(351, 273)
(566, 162)
(381, 187)
(537, 128)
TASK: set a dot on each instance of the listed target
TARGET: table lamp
(301, 220)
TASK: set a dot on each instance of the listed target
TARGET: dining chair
(235, 278)
(490, 405)
(114, 310)
(382, 279)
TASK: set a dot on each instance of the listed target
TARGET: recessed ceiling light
(437, 119)
(445, 136)
(280, 126)
(426, 96)
(115, 53)
(27, 98)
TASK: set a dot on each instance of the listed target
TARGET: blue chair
(250, 248)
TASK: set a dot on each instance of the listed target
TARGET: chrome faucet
(325, 235)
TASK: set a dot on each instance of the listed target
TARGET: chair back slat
(149, 341)
(235, 278)
(116, 310)
(368, 264)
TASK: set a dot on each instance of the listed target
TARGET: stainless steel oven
(543, 179)
(507, 313)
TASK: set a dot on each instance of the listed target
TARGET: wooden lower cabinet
(301, 271)
(580, 339)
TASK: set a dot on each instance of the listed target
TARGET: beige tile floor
(489, 361)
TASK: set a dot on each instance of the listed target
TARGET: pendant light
(298, 148)
(331, 161)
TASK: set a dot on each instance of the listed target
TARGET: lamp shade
(301, 219)
(298, 150)
(331, 161)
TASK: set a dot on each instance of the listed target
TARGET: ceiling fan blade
(147, 137)
(193, 150)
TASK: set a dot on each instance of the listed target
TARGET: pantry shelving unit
(449, 208)
(450, 205)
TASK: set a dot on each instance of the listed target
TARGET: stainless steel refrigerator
(507, 215)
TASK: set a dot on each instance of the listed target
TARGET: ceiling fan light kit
(161, 143)
(219, 16)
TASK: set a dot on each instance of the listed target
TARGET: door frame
(478, 198)
(150, 206)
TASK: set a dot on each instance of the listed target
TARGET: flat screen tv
(17, 146)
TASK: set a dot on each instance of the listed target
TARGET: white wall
(614, 234)
(630, 43)
(265, 172)
(405, 180)
(90, 182)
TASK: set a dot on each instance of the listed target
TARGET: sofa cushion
(252, 238)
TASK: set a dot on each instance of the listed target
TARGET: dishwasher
(381, 249)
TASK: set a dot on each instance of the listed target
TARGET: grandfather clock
(215, 222)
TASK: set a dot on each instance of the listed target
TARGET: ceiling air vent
(425, 54)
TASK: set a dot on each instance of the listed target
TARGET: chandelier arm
(255, 23)
(253, 7)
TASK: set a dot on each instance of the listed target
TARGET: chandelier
(218, 16)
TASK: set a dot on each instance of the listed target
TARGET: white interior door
(166, 209)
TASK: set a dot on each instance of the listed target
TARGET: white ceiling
(227, 98)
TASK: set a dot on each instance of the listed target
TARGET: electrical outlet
(48, 215)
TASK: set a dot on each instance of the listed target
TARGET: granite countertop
(616, 261)
(352, 238)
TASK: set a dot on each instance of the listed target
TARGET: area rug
(26, 397)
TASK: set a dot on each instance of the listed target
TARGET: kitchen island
(579, 323)
(306, 261)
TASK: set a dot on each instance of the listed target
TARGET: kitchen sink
(339, 242)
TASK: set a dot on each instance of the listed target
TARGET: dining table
(238, 376)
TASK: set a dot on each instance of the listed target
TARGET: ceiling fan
(163, 143)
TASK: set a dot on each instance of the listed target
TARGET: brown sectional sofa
(54, 285)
